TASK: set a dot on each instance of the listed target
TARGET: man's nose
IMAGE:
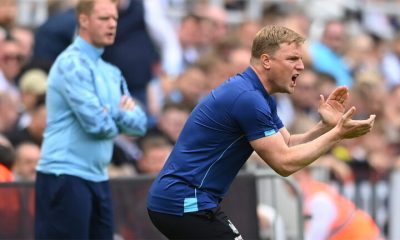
(300, 65)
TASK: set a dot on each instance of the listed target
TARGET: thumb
(372, 118)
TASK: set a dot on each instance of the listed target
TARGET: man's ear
(265, 61)
(83, 21)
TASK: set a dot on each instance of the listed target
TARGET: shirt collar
(93, 52)
(251, 74)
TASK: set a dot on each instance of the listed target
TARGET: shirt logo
(269, 132)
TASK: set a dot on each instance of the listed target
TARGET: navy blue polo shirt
(214, 145)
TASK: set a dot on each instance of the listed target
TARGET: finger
(338, 93)
(359, 123)
(368, 121)
(123, 100)
(349, 113)
(321, 99)
(131, 105)
(344, 97)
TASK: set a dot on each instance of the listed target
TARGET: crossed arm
(81, 94)
(287, 153)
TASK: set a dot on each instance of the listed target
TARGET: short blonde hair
(269, 38)
(86, 6)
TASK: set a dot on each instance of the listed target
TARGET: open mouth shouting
(294, 78)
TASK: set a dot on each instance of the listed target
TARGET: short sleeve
(255, 115)
(277, 120)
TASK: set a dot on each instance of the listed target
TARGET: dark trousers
(68, 207)
(206, 224)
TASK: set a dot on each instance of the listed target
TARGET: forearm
(301, 155)
(318, 130)
(132, 123)
(285, 159)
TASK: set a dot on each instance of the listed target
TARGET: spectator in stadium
(188, 88)
(11, 64)
(9, 107)
(34, 130)
(32, 86)
(234, 120)
(304, 101)
(328, 52)
(7, 157)
(390, 63)
(8, 14)
(27, 155)
(88, 106)
(246, 32)
(213, 23)
(171, 120)
(392, 114)
(25, 38)
(156, 148)
(331, 215)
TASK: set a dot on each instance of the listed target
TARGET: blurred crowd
(172, 53)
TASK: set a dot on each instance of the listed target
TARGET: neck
(261, 73)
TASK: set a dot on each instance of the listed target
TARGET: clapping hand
(349, 128)
(332, 109)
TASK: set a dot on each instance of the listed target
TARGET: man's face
(12, 59)
(285, 67)
(334, 37)
(25, 166)
(101, 24)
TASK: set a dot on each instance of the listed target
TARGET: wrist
(337, 136)
(325, 127)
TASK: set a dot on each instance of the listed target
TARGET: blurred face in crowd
(189, 34)
(12, 59)
(38, 123)
(246, 33)
(305, 95)
(334, 36)
(285, 65)
(154, 159)
(99, 26)
(192, 84)
(8, 12)
(9, 106)
(26, 40)
(27, 157)
(213, 24)
(392, 108)
(396, 45)
(172, 121)
(239, 60)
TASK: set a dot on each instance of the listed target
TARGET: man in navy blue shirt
(234, 120)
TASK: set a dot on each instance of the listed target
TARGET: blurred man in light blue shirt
(88, 106)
